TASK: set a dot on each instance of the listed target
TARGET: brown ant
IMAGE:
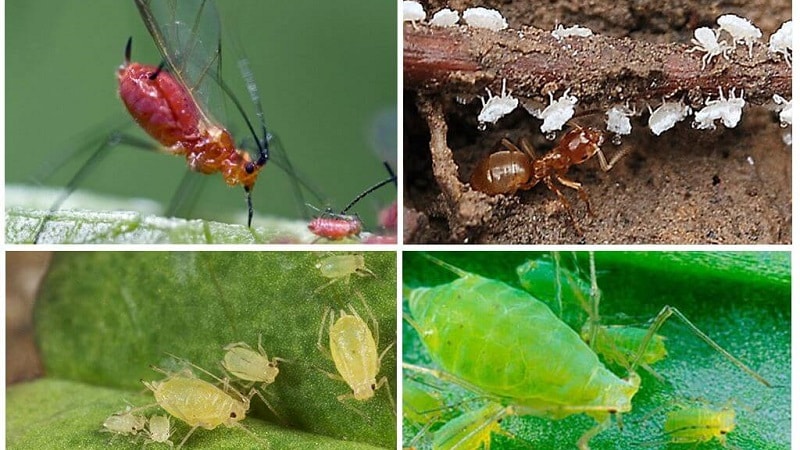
(507, 171)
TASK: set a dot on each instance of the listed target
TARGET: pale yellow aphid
(244, 363)
(199, 403)
(124, 423)
(340, 267)
(158, 430)
(354, 352)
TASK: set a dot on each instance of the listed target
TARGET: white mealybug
(557, 113)
(413, 12)
(574, 31)
(781, 42)
(667, 115)
(705, 40)
(445, 18)
(496, 107)
(741, 30)
(728, 110)
(490, 19)
(785, 110)
(618, 119)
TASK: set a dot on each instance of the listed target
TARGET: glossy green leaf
(103, 318)
(740, 299)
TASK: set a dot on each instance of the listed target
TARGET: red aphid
(164, 108)
(335, 226)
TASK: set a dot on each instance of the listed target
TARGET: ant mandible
(507, 171)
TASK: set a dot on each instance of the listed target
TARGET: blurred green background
(326, 73)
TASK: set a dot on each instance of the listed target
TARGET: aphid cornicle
(354, 351)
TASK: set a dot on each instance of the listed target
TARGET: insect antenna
(669, 311)
(373, 188)
(460, 272)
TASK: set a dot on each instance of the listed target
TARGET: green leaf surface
(740, 299)
(74, 411)
(103, 318)
(131, 227)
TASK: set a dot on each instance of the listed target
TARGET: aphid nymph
(667, 115)
(741, 30)
(574, 31)
(781, 42)
(413, 12)
(251, 366)
(490, 19)
(340, 267)
(159, 430)
(557, 113)
(124, 422)
(705, 40)
(445, 18)
(496, 107)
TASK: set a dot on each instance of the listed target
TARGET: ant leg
(526, 146)
(607, 165)
(564, 202)
(581, 191)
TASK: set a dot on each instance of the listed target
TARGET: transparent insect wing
(187, 33)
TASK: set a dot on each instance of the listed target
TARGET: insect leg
(668, 312)
(583, 442)
(325, 351)
(608, 165)
(317, 290)
(112, 140)
(269, 405)
(186, 437)
(371, 317)
(578, 187)
(384, 382)
(564, 202)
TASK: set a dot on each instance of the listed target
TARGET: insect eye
(249, 167)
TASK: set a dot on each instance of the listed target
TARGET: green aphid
(502, 343)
